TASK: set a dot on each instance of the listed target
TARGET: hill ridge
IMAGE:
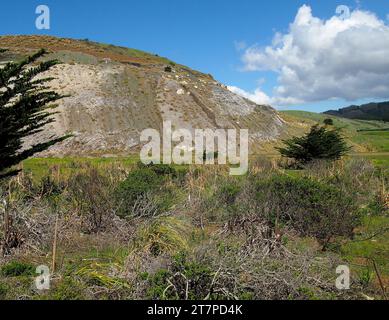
(369, 111)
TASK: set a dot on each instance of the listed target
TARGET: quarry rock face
(116, 92)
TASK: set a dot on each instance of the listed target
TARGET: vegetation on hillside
(370, 111)
(23, 44)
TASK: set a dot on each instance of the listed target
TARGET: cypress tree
(26, 105)
(319, 143)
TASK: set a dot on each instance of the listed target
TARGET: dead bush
(92, 195)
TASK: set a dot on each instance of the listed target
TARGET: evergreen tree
(25, 108)
(319, 143)
(328, 122)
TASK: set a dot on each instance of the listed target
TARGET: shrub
(145, 182)
(17, 269)
(310, 207)
(163, 236)
(68, 289)
(228, 193)
(160, 169)
(319, 143)
(365, 277)
(91, 193)
(184, 280)
(49, 187)
(357, 178)
(328, 122)
(3, 290)
(228, 204)
(157, 284)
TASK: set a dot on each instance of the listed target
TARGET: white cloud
(259, 97)
(324, 59)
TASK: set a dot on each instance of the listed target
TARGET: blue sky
(203, 34)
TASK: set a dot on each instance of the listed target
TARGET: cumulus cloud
(261, 98)
(318, 60)
(258, 96)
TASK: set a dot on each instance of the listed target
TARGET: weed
(17, 269)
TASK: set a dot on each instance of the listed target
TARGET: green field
(379, 140)
(348, 124)
(40, 167)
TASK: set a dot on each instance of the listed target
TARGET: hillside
(363, 135)
(91, 222)
(370, 111)
(117, 92)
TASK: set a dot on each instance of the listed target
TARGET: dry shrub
(263, 164)
(24, 226)
(81, 205)
(92, 194)
(164, 235)
(250, 272)
(225, 268)
(356, 178)
(353, 173)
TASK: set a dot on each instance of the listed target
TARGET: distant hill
(371, 111)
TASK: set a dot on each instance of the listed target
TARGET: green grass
(379, 160)
(379, 140)
(40, 167)
(364, 246)
(349, 124)
(132, 52)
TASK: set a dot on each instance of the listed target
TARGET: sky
(292, 54)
